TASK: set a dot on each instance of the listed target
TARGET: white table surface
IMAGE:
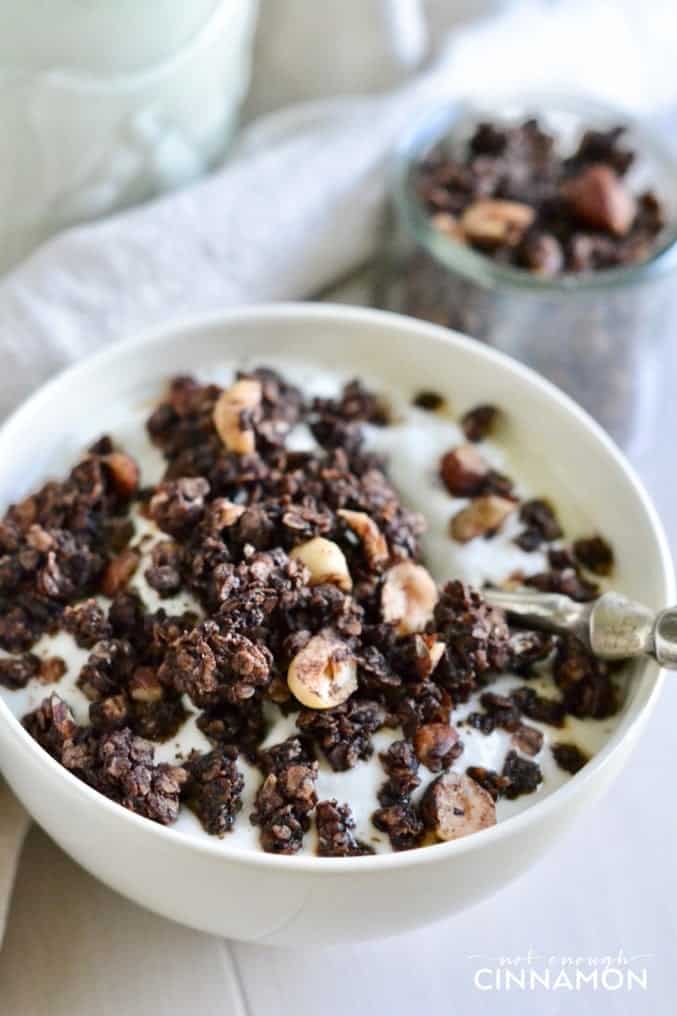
(74, 948)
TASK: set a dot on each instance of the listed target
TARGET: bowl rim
(651, 677)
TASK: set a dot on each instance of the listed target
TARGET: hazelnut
(39, 539)
(110, 713)
(437, 745)
(599, 198)
(493, 223)
(325, 561)
(463, 471)
(427, 654)
(448, 224)
(436, 654)
(528, 739)
(483, 515)
(52, 669)
(455, 805)
(222, 513)
(123, 471)
(144, 685)
(233, 412)
(324, 673)
(515, 580)
(119, 571)
(408, 597)
(373, 541)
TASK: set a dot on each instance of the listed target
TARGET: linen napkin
(295, 207)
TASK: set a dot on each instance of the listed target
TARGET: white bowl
(308, 900)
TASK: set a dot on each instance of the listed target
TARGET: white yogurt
(413, 445)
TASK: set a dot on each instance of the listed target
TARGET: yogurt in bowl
(323, 348)
(421, 703)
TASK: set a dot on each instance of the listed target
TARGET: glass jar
(601, 336)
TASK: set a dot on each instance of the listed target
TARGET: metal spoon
(612, 627)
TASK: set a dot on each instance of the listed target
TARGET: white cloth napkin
(294, 208)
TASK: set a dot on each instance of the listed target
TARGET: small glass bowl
(601, 336)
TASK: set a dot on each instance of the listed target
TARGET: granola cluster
(516, 198)
(57, 545)
(311, 601)
(287, 796)
(335, 825)
(117, 763)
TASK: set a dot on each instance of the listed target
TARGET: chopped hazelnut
(448, 224)
(437, 745)
(39, 539)
(427, 653)
(123, 471)
(599, 198)
(436, 654)
(493, 223)
(231, 415)
(119, 571)
(325, 561)
(483, 515)
(455, 805)
(373, 541)
(222, 513)
(408, 597)
(324, 673)
(463, 471)
(144, 685)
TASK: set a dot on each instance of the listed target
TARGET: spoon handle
(613, 626)
(665, 638)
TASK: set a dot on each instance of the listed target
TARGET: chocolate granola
(292, 585)
(286, 797)
(514, 196)
(335, 825)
